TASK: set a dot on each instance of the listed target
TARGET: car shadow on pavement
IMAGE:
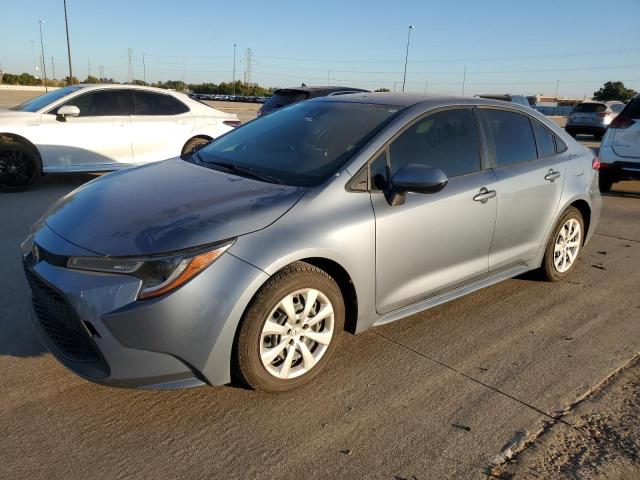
(622, 194)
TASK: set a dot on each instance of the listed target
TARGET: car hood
(12, 114)
(166, 206)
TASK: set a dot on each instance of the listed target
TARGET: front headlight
(159, 274)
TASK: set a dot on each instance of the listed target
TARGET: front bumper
(93, 324)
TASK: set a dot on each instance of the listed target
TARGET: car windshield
(282, 98)
(301, 145)
(42, 101)
(590, 108)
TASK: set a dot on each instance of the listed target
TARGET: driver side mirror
(67, 111)
(414, 178)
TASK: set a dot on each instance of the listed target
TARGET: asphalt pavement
(447, 393)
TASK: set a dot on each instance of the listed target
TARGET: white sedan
(97, 128)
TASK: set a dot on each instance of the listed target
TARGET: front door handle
(484, 195)
(552, 175)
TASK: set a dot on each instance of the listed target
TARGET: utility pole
(184, 66)
(130, 70)
(66, 24)
(144, 69)
(394, 86)
(464, 79)
(406, 57)
(425, 86)
(557, 84)
(327, 78)
(234, 70)
(101, 68)
(89, 66)
(53, 68)
(44, 67)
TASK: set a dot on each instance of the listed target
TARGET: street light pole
(66, 24)
(406, 57)
(44, 66)
(234, 69)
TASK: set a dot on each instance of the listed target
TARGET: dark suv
(287, 96)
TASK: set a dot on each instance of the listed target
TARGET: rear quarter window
(282, 99)
(632, 110)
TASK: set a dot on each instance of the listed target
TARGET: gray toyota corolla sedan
(251, 256)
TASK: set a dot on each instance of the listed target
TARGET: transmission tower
(248, 58)
(130, 70)
(53, 68)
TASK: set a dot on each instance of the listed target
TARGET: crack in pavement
(615, 236)
(521, 444)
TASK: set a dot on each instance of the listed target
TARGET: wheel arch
(9, 138)
(208, 138)
(585, 210)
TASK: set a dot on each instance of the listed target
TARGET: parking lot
(447, 393)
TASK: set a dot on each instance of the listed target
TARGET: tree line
(224, 88)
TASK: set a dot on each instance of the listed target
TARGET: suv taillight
(621, 121)
(595, 163)
(602, 114)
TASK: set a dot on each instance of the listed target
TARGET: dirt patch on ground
(599, 438)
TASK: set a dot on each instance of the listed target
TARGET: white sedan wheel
(567, 245)
(297, 333)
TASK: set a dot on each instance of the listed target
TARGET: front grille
(60, 322)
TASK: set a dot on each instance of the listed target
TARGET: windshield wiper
(243, 171)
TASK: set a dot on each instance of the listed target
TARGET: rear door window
(149, 103)
(447, 140)
(617, 107)
(544, 139)
(512, 136)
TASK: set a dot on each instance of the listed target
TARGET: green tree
(614, 91)
(382, 90)
(91, 79)
(70, 80)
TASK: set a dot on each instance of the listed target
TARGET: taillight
(232, 123)
(603, 114)
(621, 121)
(595, 163)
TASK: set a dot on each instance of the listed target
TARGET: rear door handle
(484, 195)
(552, 175)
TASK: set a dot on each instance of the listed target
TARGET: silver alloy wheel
(297, 333)
(567, 245)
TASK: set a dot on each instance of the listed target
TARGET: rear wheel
(290, 331)
(564, 246)
(20, 167)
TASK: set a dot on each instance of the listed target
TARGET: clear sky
(511, 46)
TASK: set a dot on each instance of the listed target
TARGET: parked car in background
(287, 96)
(592, 118)
(507, 97)
(620, 149)
(255, 252)
(97, 128)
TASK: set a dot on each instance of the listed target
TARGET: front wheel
(290, 330)
(20, 167)
(564, 246)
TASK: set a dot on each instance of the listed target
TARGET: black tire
(605, 184)
(20, 167)
(548, 269)
(246, 361)
(193, 144)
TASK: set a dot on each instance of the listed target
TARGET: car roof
(315, 89)
(410, 99)
(94, 86)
